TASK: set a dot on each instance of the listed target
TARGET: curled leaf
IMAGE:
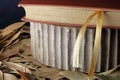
(18, 67)
(11, 28)
(13, 38)
(113, 72)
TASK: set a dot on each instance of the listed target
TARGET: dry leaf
(9, 77)
(113, 72)
(32, 60)
(6, 38)
(13, 43)
(16, 66)
(8, 53)
(74, 75)
(23, 75)
(104, 77)
(51, 73)
(13, 38)
(11, 28)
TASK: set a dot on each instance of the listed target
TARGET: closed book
(71, 12)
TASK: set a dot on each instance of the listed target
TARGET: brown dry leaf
(9, 77)
(13, 43)
(13, 38)
(74, 75)
(8, 53)
(11, 28)
(51, 73)
(40, 71)
(16, 66)
(6, 38)
(113, 74)
(32, 60)
(23, 75)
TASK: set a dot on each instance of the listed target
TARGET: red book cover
(108, 4)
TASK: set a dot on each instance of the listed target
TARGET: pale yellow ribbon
(96, 48)
(96, 44)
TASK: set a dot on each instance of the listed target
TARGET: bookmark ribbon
(76, 57)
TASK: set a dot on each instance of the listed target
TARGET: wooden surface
(109, 4)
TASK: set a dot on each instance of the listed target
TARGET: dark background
(10, 12)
